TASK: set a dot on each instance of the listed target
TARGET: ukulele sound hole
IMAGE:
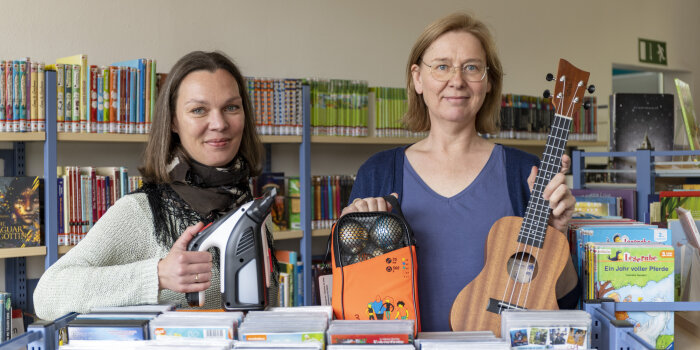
(522, 267)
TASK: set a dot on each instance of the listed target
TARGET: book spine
(113, 98)
(147, 99)
(24, 75)
(60, 96)
(7, 106)
(3, 94)
(60, 212)
(105, 98)
(93, 196)
(68, 100)
(78, 123)
(41, 97)
(15, 96)
(142, 96)
(100, 102)
(34, 98)
(133, 101)
(92, 121)
(154, 94)
(123, 103)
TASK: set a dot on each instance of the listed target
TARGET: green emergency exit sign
(651, 51)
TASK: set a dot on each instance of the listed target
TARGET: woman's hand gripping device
(241, 238)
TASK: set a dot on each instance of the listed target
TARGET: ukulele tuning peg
(546, 94)
(549, 77)
(587, 105)
(591, 88)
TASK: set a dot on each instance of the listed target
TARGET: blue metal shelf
(645, 170)
(608, 333)
(41, 335)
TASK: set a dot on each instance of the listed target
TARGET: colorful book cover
(638, 273)
(617, 233)
(83, 88)
(20, 212)
(294, 194)
(685, 98)
(670, 200)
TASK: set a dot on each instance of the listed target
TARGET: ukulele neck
(534, 225)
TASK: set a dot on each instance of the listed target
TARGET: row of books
(22, 101)
(119, 98)
(390, 105)
(84, 195)
(339, 107)
(628, 261)
(278, 105)
(529, 118)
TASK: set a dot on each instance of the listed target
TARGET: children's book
(617, 233)
(638, 273)
(688, 110)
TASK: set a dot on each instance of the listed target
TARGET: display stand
(646, 172)
(41, 335)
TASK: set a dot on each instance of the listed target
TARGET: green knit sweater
(116, 264)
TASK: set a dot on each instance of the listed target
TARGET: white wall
(359, 39)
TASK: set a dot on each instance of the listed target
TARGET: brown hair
(163, 142)
(416, 117)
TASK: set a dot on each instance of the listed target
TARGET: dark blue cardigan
(382, 174)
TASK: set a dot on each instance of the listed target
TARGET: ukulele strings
(519, 256)
(562, 139)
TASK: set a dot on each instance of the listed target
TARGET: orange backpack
(374, 267)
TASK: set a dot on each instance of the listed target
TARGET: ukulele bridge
(496, 306)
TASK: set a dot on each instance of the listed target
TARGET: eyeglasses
(473, 72)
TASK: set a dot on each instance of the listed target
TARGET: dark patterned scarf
(211, 191)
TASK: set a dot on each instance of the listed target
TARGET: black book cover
(634, 117)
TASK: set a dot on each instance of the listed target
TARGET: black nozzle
(259, 210)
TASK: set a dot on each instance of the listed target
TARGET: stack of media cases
(311, 328)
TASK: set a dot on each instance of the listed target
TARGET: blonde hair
(416, 117)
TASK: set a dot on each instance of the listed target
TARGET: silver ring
(196, 277)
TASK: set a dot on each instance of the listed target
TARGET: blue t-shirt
(451, 234)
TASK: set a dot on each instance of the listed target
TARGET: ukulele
(522, 267)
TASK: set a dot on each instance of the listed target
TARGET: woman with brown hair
(454, 184)
(201, 152)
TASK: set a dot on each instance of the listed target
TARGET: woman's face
(26, 206)
(209, 116)
(455, 100)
